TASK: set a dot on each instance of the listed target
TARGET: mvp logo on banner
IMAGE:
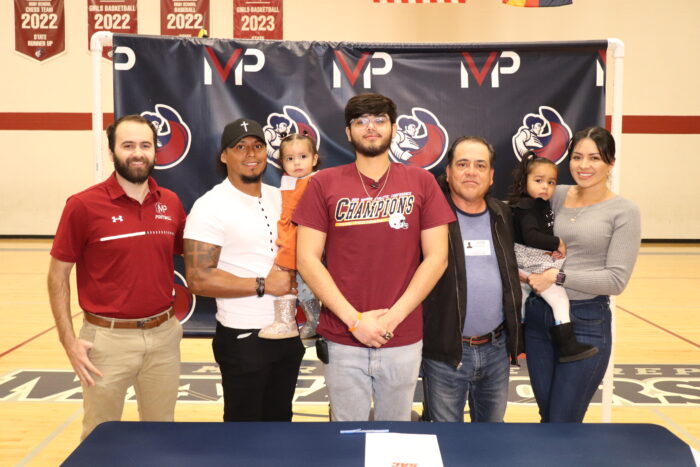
(378, 63)
(237, 61)
(503, 63)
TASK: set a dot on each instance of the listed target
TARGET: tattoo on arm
(201, 257)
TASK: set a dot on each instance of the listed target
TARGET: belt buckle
(141, 324)
(480, 340)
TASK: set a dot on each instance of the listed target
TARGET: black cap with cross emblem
(239, 129)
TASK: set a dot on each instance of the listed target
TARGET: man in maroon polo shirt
(121, 234)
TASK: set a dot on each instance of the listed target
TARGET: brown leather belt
(141, 323)
(486, 338)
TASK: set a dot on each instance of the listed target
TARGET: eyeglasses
(363, 122)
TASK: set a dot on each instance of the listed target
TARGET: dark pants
(258, 375)
(564, 390)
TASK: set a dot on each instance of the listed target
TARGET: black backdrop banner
(517, 96)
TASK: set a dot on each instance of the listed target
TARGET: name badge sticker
(477, 247)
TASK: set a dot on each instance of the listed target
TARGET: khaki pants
(148, 359)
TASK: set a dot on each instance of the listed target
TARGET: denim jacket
(444, 309)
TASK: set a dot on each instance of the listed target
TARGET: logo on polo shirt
(116, 219)
(161, 209)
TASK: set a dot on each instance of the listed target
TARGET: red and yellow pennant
(420, 1)
(537, 3)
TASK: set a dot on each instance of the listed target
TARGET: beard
(131, 174)
(371, 149)
(250, 179)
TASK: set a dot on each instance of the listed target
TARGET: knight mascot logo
(420, 139)
(174, 136)
(291, 120)
(545, 133)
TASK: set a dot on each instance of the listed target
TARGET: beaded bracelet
(260, 286)
(357, 323)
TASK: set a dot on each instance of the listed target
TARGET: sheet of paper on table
(402, 450)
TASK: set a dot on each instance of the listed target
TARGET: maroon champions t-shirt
(372, 242)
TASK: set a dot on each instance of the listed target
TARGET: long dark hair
(602, 138)
(518, 190)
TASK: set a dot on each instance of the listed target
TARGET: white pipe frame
(617, 48)
(98, 41)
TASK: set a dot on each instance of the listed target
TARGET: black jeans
(258, 376)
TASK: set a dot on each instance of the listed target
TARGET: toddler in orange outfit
(299, 161)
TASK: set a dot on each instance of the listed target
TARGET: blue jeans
(356, 375)
(564, 390)
(482, 379)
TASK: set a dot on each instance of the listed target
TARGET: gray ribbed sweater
(601, 246)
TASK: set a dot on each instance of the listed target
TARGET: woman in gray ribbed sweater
(601, 231)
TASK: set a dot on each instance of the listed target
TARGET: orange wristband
(357, 323)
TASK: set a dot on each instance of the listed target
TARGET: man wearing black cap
(230, 250)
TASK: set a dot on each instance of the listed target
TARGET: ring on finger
(387, 335)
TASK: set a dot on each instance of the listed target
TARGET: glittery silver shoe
(312, 310)
(285, 324)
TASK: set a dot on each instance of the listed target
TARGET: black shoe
(569, 349)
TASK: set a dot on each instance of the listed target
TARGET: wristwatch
(260, 286)
(561, 277)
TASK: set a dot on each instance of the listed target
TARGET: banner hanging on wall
(517, 96)
(184, 18)
(117, 16)
(257, 19)
(40, 28)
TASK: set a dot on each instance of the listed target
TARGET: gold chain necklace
(578, 212)
(365, 188)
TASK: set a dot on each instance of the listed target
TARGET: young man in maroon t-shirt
(383, 227)
(121, 234)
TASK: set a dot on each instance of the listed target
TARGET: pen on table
(360, 430)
